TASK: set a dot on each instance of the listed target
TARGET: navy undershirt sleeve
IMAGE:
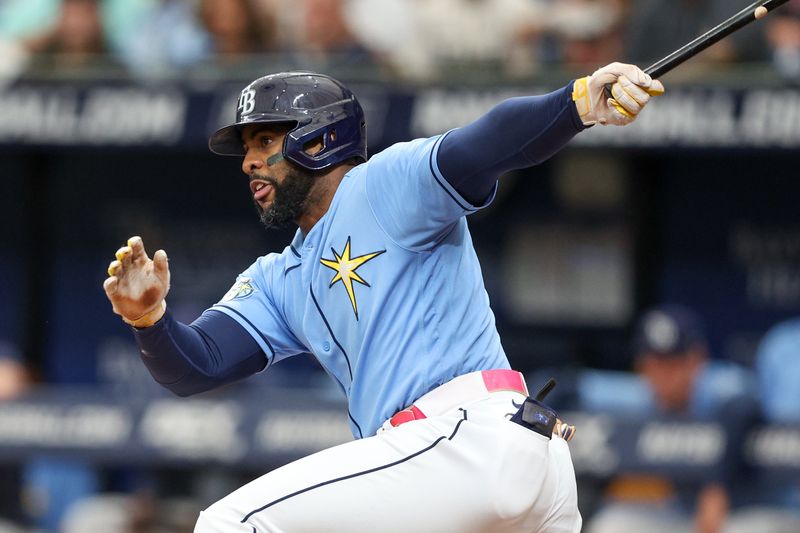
(517, 133)
(210, 352)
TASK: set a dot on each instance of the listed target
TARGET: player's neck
(320, 197)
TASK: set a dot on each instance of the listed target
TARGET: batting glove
(137, 285)
(614, 94)
(563, 430)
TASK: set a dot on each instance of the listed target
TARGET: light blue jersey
(385, 290)
(778, 367)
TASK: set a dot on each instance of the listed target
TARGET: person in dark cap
(671, 354)
(676, 375)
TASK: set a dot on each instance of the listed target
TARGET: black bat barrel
(715, 34)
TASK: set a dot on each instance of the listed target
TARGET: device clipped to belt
(535, 415)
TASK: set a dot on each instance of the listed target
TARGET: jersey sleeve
(255, 304)
(412, 201)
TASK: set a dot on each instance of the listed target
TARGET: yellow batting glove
(614, 94)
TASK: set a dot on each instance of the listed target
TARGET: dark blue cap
(668, 330)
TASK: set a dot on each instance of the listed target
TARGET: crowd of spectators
(422, 40)
(409, 39)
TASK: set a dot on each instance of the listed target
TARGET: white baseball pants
(469, 469)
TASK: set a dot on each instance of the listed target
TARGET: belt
(461, 390)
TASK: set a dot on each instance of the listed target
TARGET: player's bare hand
(614, 94)
(137, 285)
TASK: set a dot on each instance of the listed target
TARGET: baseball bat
(755, 11)
(544, 391)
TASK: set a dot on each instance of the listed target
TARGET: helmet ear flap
(337, 143)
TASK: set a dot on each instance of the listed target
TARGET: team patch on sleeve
(243, 288)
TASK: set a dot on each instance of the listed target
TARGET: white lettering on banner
(436, 111)
(194, 429)
(771, 118)
(87, 426)
(131, 116)
(308, 431)
(770, 258)
(775, 447)
(41, 116)
(692, 117)
(769, 245)
(126, 116)
(685, 443)
(775, 286)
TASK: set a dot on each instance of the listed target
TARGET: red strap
(406, 415)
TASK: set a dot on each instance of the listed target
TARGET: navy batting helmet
(315, 105)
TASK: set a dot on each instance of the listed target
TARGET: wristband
(149, 318)
(581, 97)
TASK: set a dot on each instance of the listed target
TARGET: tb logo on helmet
(247, 101)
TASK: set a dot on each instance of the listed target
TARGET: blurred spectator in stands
(427, 39)
(326, 34)
(14, 380)
(237, 29)
(156, 38)
(14, 59)
(588, 31)
(656, 28)
(153, 38)
(783, 35)
(777, 365)
(317, 34)
(77, 38)
(20, 22)
(21, 19)
(287, 17)
(675, 376)
(38, 491)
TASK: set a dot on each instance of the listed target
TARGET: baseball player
(382, 285)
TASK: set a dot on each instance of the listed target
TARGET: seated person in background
(777, 365)
(783, 38)
(675, 375)
(14, 379)
(76, 38)
(36, 491)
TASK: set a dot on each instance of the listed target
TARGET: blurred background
(654, 270)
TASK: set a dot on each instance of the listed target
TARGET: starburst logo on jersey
(345, 268)
(241, 289)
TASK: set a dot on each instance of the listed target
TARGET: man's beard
(290, 199)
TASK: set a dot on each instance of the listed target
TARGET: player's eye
(265, 140)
